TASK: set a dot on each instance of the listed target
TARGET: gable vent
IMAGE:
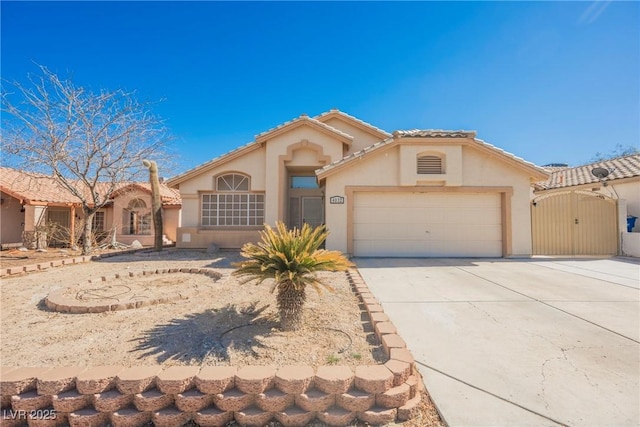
(429, 165)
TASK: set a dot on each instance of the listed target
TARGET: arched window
(232, 204)
(137, 217)
(429, 164)
(232, 182)
(137, 204)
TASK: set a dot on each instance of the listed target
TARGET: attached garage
(405, 224)
(429, 193)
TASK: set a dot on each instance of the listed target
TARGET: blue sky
(547, 81)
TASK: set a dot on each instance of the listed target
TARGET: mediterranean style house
(29, 202)
(406, 193)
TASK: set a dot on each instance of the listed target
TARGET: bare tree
(90, 142)
(619, 151)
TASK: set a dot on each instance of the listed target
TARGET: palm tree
(291, 259)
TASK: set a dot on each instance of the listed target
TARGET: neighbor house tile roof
(35, 188)
(619, 168)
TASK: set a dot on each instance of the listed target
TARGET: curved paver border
(57, 300)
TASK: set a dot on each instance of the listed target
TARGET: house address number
(336, 200)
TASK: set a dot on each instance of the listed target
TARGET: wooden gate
(574, 223)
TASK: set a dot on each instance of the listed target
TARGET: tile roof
(40, 188)
(253, 144)
(303, 118)
(430, 133)
(335, 111)
(211, 163)
(434, 133)
(619, 168)
(34, 187)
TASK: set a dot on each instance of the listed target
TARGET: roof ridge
(303, 117)
(513, 156)
(354, 118)
(434, 133)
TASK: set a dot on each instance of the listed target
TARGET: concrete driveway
(519, 342)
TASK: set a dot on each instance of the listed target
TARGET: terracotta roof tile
(619, 168)
(38, 188)
(33, 187)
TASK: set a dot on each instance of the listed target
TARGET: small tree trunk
(156, 203)
(290, 302)
(87, 232)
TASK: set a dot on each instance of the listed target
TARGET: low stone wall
(216, 395)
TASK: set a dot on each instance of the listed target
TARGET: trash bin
(631, 222)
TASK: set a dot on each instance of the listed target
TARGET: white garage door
(427, 224)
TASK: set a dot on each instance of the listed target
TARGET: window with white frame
(232, 205)
(429, 164)
(137, 217)
(98, 221)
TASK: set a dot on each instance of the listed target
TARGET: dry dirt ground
(225, 323)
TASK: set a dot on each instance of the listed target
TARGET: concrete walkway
(519, 342)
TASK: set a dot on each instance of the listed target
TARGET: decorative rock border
(57, 300)
(45, 265)
(216, 395)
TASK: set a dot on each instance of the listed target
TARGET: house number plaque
(336, 200)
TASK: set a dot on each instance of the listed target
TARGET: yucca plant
(291, 258)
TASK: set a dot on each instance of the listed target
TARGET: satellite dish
(600, 173)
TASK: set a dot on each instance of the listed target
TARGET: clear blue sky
(547, 81)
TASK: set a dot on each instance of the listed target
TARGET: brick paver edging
(45, 265)
(216, 395)
(58, 300)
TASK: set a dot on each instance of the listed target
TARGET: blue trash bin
(631, 222)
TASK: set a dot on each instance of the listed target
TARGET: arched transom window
(232, 204)
(429, 164)
(233, 182)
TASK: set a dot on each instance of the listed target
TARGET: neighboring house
(579, 211)
(410, 193)
(31, 201)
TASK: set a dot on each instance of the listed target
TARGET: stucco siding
(11, 219)
(481, 169)
(361, 139)
(468, 167)
(630, 192)
(252, 164)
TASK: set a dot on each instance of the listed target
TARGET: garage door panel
(427, 224)
(431, 215)
(436, 248)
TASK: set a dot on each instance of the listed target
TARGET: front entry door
(312, 211)
(305, 209)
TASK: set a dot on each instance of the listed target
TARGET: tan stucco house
(29, 202)
(409, 193)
